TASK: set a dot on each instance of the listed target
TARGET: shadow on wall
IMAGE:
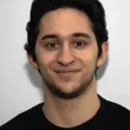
(102, 69)
(36, 79)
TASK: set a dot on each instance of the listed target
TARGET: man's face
(66, 52)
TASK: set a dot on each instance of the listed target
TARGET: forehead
(65, 21)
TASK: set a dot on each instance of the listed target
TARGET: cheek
(89, 62)
(88, 56)
(45, 59)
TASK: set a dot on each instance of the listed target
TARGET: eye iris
(52, 45)
(79, 44)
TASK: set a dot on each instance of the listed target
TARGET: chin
(69, 92)
(68, 87)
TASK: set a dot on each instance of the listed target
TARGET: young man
(67, 42)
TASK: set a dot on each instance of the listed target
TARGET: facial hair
(64, 95)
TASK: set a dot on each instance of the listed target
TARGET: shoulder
(22, 119)
(116, 114)
(116, 108)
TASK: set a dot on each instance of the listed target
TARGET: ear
(103, 57)
(32, 62)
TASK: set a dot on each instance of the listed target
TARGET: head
(67, 42)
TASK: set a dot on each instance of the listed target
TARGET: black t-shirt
(110, 116)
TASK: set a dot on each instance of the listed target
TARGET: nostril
(65, 63)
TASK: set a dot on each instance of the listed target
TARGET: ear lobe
(32, 62)
(103, 57)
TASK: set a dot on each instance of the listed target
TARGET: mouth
(67, 73)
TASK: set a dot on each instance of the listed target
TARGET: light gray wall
(20, 85)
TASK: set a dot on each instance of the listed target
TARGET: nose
(65, 57)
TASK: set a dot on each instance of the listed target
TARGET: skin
(66, 52)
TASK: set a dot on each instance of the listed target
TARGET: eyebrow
(85, 35)
(53, 36)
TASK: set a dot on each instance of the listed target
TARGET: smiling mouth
(67, 73)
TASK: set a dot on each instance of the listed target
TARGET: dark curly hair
(92, 8)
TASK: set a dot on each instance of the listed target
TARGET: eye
(52, 45)
(79, 44)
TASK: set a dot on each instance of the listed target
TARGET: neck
(71, 112)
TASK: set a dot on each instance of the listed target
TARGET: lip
(67, 72)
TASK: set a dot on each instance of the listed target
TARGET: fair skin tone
(66, 52)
